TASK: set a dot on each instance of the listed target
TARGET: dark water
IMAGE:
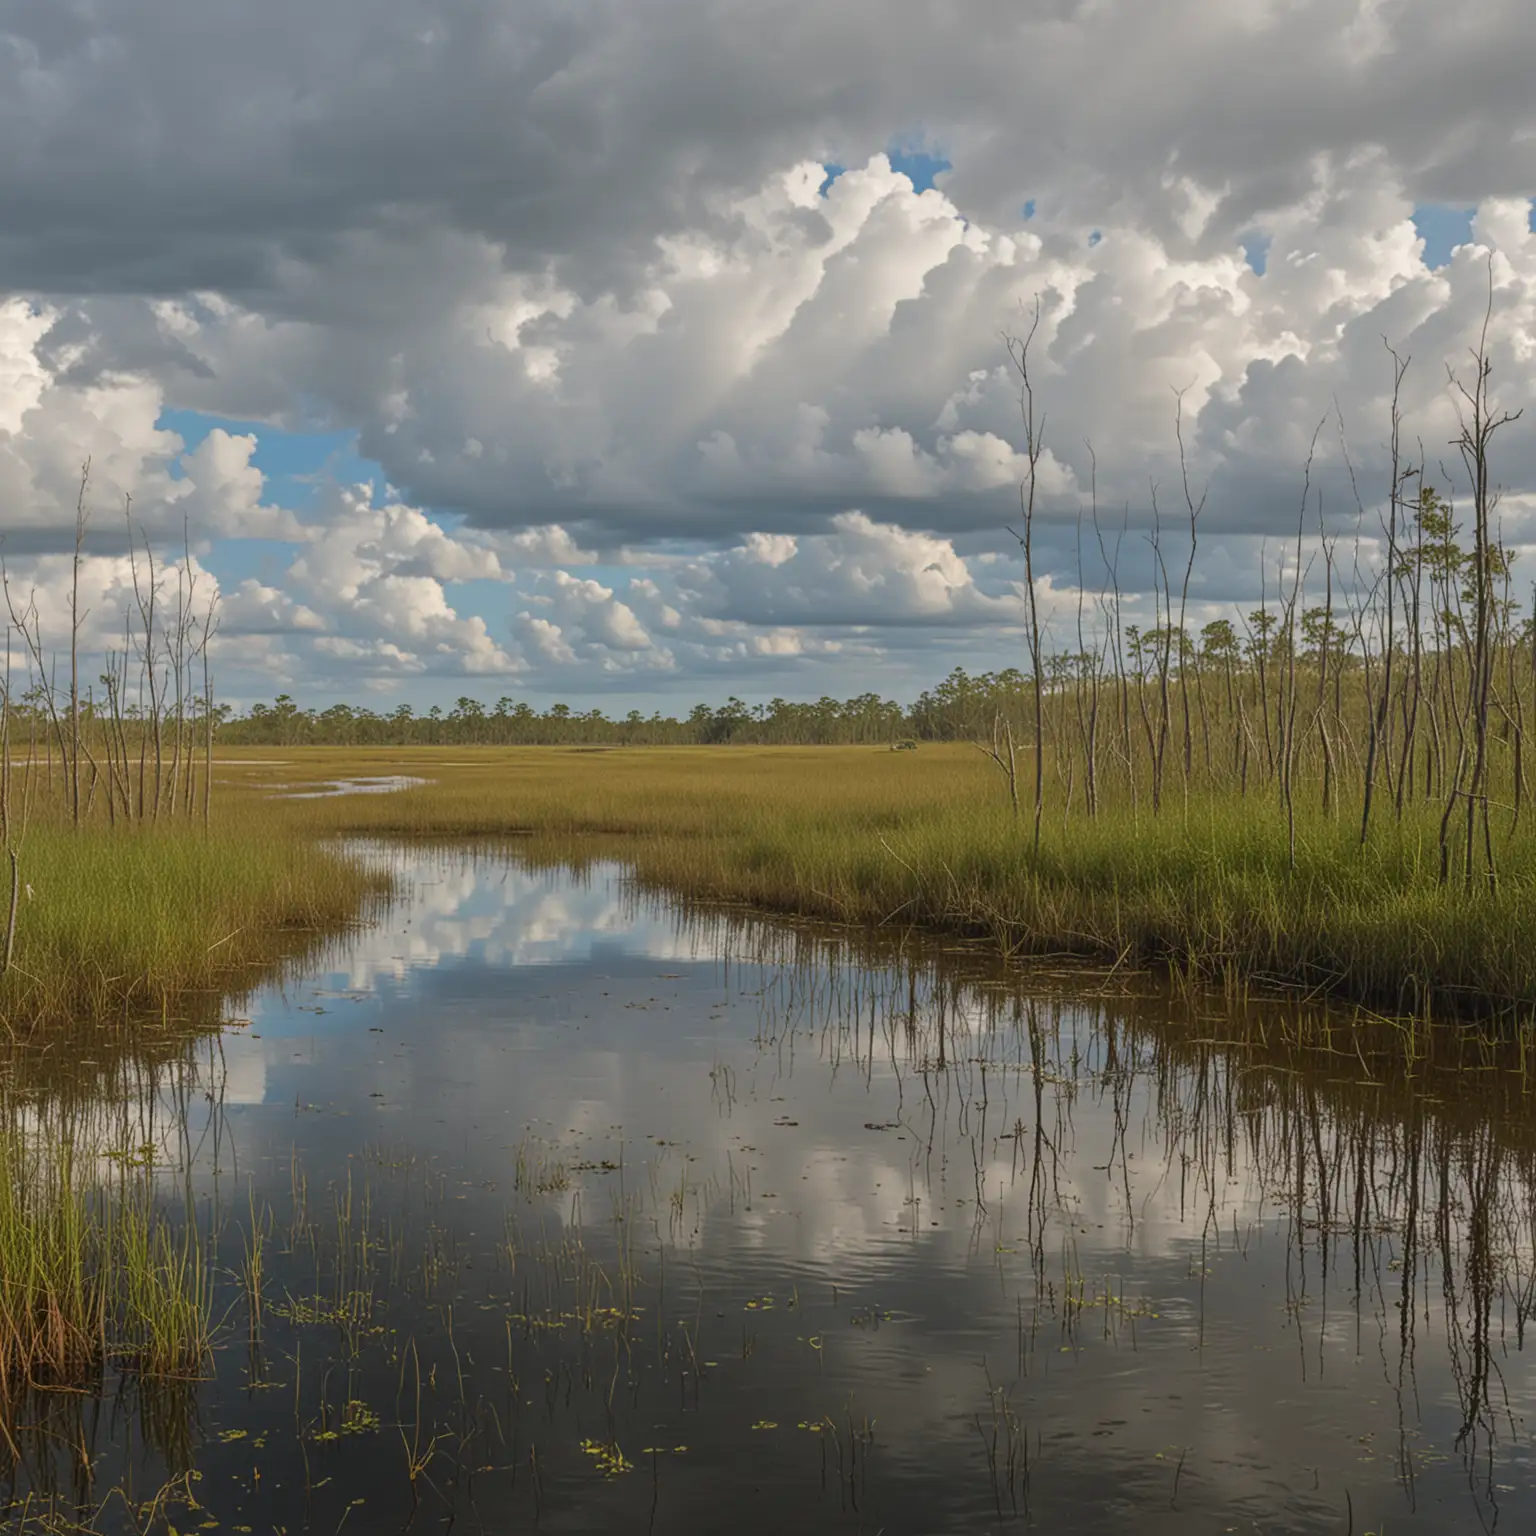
(585, 1214)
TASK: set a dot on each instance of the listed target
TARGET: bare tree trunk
(1087, 728)
(74, 646)
(1195, 509)
(1288, 726)
(1381, 714)
(1002, 753)
(13, 858)
(1019, 352)
(1480, 420)
(1416, 677)
(12, 825)
(209, 626)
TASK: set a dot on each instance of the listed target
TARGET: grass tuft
(141, 920)
(90, 1276)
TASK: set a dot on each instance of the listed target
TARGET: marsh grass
(92, 1274)
(144, 921)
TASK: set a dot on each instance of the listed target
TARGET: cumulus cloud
(603, 130)
(381, 573)
(356, 542)
(255, 609)
(550, 545)
(574, 620)
(51, 424)
(38, 590)
(774, 374)
(861, 573)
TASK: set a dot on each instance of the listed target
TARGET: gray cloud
(157, 148)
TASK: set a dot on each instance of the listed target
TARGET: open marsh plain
(557, 1191)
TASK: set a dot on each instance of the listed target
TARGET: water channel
(579, 1211)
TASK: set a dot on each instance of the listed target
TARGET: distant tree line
(864, 719)
(961, 708)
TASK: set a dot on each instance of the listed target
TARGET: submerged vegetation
(92, 1274)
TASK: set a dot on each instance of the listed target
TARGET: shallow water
(585, 1212)
(379, 784)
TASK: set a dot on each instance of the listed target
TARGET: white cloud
(380, 574)
(550, 545)
(51, 423)
(590, 624)
(253, 608)
(860, 573)
(548, 640)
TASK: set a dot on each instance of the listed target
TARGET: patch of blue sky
(919, 167)
(1442, 228)
(916, 164)
(263, 560)
(295, 466)
(494, 601)
(295, 463)
(1256, 251)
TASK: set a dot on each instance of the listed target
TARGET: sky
(630, 354)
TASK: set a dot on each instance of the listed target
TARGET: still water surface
(579, 1212)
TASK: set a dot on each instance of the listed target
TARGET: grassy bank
(160, 921)
(927, 839)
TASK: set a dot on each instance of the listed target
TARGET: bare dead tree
(1195, 508)
(1003, 753)
(1380, 716)
(1288, 720)
(1480, 419)
(210, 628)
(1163, 641)
(146, 597)
(1411, 573)
(12, 819)
(1018, 352)
(1325, 658)
(1112, 605)
(76, 618)
(27, 623)
(1090, 730)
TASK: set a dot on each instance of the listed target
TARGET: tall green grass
(149, 921)
(91, 1273)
